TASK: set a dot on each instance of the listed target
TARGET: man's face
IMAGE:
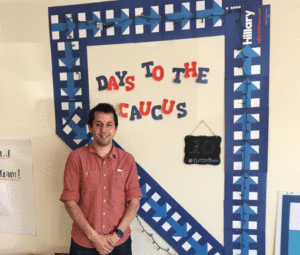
(103, 128)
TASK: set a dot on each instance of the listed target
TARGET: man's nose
(103, 128)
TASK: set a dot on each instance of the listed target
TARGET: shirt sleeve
(132, 188)
(71, 189)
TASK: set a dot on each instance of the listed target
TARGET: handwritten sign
(202, 150)
(17, 213)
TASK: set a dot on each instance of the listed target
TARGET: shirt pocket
(119, 179)
(91, 180)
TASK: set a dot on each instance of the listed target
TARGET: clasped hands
(104, 244)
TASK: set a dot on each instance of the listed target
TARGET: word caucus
(157, 111)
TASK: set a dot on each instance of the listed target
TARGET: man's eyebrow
(109, 122)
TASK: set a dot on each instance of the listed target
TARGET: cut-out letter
(164, 106)
(142, 103)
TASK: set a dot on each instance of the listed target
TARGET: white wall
(27, 112)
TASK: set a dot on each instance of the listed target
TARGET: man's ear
(89, 128)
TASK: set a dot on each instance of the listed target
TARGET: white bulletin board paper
(17, 214)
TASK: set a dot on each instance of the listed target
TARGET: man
(101, 190)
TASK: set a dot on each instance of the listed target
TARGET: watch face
(119, 233)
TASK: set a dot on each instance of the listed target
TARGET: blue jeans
(122, 249)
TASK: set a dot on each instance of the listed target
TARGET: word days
(112, 83)
(156, 110)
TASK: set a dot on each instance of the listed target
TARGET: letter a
(112, 83)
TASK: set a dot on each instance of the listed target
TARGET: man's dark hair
(103, 107)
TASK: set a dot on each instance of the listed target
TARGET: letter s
(180, 107)
(129, 80)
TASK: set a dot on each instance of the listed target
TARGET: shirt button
(104, 175)
(104, 187)
(104, 201)
(104, 213)
(104, 162)
(103, 226)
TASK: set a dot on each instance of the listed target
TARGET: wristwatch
(119, 233)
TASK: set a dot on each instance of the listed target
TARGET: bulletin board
(246, 27)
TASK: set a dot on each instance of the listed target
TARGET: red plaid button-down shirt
(101, 188)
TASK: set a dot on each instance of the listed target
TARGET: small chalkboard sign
(202, 150)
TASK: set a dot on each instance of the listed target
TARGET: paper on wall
(17, 214)
(5, 200)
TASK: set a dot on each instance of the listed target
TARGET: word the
(112, 84)
(247, 31)
(158, 72)
(138, 113)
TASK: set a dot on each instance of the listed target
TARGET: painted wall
(27, 112)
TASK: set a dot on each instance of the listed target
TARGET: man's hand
(102, 244)
(113, 238)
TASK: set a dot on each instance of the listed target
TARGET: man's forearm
(129, 214)
(100, 242)
(79, 219)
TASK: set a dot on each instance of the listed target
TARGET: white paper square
(146, 207)
(54, 19)
(255, 69)
(253, 195)
(238, 103)
(237, 165)
(63, 76)
(255, 102)
(139, 29)
(236, 224)
(196, 236)
(238, 135)
(254, 134)
(176, 216)
(155, 197)
(252, 225)
(65, 106)
(186, 246)
(254, 165)
(67, 129)
(166, 226)
(294, 216)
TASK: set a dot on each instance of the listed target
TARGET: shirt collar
(112, 153)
